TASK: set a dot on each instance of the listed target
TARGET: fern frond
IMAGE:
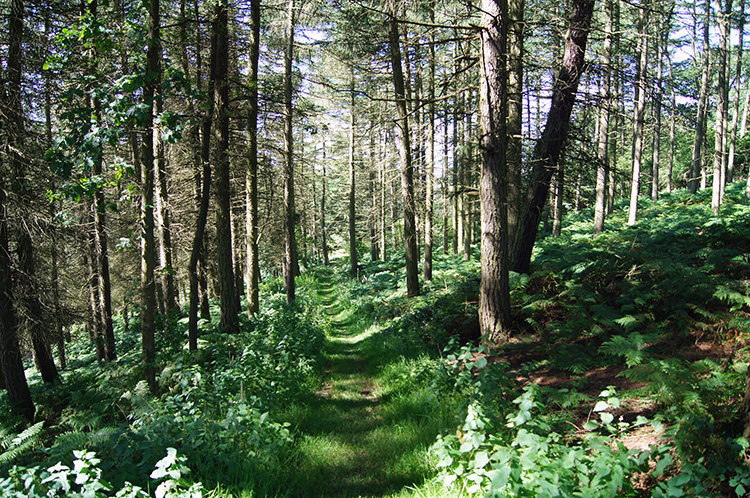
(17, 444)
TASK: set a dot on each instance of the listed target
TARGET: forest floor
(355, 442)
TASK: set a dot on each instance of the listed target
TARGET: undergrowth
(639, 332)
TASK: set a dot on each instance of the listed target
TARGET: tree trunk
(323, 228)
(404, 146)
(722, 107)
(547, 151)
(251, 175)
(661, 42)
(353, 262)
(515, 34)
(430, 155)
(374, 195)
(672, 127)
(701, 121)
(738, 88)
(148, 246)
(219, 72)
(290, 241)
(603, 138)
(494, 290)
(639, 112)
(10, 353)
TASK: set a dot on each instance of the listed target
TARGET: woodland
(345, 248)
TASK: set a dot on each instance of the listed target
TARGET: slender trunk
(700, 125)
(373, 187)
(672, 127)
(656, 157)
(558, 189)
(738, 89)
(251, 174)
(219, 75)
(148, 246)
(290, 242)
(404, 146)
(430, 154)
(547, 150)
(323, 229)
(11, 361)
(639, 113)
(164, 223)
(494, 290)
(722, 107)
(603, 137)
(353, 259)
(515, 34)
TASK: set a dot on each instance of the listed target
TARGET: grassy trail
(358, 439)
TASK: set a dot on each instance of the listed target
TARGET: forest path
(353, 444)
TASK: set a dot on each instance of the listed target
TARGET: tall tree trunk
(404, 146)
(374, 210)
(722, 107)
(353, 260)
(639, 112)
(430, 154)
(547, 150)
(164, 222)
(225, 263)
(27, 297)
(323, 228)
(661, 41)
(603, 138)
(148, 243)
(494, 290)
(672, 127)
(251, 175)
(466, 182)
(701, 121)
(11, 362)
(290, 241)
(738, 88)
(515, 34)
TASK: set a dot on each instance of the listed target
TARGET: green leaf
(664, 462)
(607, 418)
(601, 406)
(481, 460)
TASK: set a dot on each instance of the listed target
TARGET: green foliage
(525, 457)
(15, 444)
(84, 480)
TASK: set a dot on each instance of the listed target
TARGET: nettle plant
(84, 480)
(526, 457)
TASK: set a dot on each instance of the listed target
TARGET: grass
(356, 438)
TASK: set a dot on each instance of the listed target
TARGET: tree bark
(353, 260)
(404, 147)
(11, 362)
(494, 289)
(639, 112)
(219, 74)
(290, 240)
(661, 41)
(547, 151)
(722, 107)
(148, 242)
(430, 155)
(251, 174)
(738, 88)
(515, 33)
(600, 205)
(701, 121)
